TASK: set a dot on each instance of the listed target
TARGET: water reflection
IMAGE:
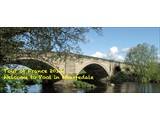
(127, 87)
(34, 88)
(28, 89)
(131, 87)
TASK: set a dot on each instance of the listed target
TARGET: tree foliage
(29, 40)
(42, 39)
(143, 61)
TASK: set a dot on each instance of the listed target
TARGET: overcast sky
(115, 42)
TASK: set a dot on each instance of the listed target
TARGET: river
(127, 87)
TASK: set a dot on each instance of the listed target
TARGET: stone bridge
(74, 64)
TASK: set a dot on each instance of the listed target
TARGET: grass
(83, 85)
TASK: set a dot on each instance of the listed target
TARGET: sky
(115, 42)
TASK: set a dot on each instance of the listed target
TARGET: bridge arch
(36, 64)
(97, 71)
(116, 69)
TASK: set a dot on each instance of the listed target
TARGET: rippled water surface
(127, 87)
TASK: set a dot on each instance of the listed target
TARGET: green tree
(62, 40)
(143, 61)
(153, 71)
(42, 39)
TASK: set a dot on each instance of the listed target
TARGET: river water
(127, 87)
